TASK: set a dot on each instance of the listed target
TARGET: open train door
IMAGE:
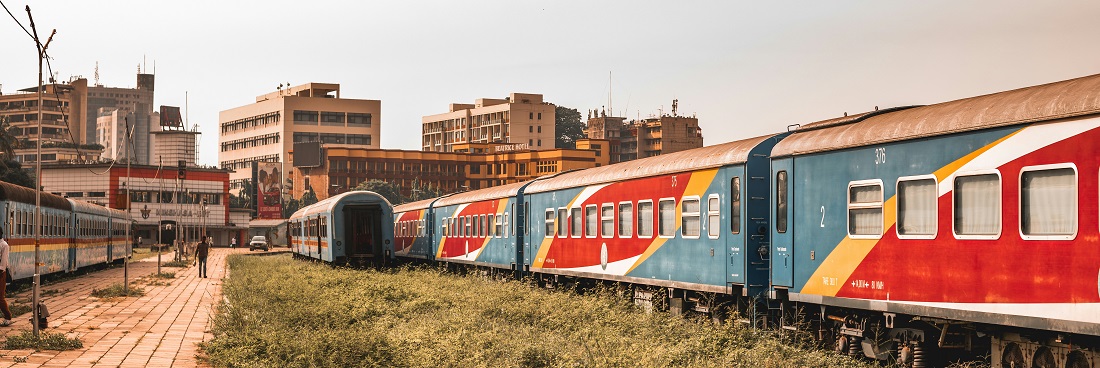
(363, 225)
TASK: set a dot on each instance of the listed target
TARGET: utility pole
(129, 219)
(36, 295)
(160, 199)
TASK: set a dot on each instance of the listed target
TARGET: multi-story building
(522, 118)
(155, 194)
(470, 166)
(62, 122)
(118, 107)
(266, 130)
(647, 137)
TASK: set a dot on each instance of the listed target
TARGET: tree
(386, 189)
(244, 199)
(308, 197)
(569, 127)
(422, 192)
(11, 171)
(290, 207)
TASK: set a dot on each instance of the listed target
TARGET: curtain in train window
(1048, 202)
(667, 219)
(978, 205)
(549, 223)
(626, 219)
(781, 201)
(607, 221)
(575, 215)
(713, 216)
(689, 217)
(917, 207)
(865, 209)
(590, 221)
(563, 222)
(645, 219)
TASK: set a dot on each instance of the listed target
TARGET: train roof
(413, 206)
(1070, 98)
(694, 159)
(12, 192)
(497, 192)
(85, 207)
(330, 203)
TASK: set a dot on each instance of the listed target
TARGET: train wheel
(1012, 357)
(1043, 358)
(1077, 359)
(841, 344)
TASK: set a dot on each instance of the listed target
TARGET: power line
(16, 20)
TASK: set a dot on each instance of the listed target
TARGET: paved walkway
(160, 329)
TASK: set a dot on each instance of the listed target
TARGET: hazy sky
(744, 68)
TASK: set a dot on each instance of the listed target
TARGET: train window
(563, 222)
(1048, 202)
(607, 220)
(645, 218)
(735, 205)
(977, 207)
(504, 225)
(491, 220)
(576, 222)
(714, 223)
(484, 226)
(470, 226)
(865, 209)
(461, 233)
(445, 227)
(480, 220)
(550, 223)
(666, 217)
(626, 219)
(590, 221)
(781, 201)
(689, 217)
(917, 207)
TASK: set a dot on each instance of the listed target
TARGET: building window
(865, 209)
(531, 115)
(1048, 202)
(540, 116)
(540, 127)
(689, 217)
(917, 208)
(977, 206)
(305, 117)
(530, 128)
(540, 143)
(359, 119)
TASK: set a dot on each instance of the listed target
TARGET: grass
(180, 264)
(45, 341)
(116, 290)
(313, 315)
(18, 309)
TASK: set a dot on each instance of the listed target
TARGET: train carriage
(479, 227)
(92, 236)
(414, 228)
(350, 228)
(691, 220)
(18, 203)
(979, 213)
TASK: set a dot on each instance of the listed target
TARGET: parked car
(258, 242)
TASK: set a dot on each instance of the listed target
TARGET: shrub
(116, 290)
(45, 341)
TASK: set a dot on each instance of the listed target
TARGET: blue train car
(350, 228)
(479, 227)
(18, 203)
(692, 220)
(414, 227)
(915, 232)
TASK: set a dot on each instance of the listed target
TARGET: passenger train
(909, 234)
(75, 234)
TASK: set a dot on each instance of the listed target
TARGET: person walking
(201, 252)
(233, 241)
(5, 265)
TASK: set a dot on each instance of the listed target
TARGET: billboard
(170, 116)
(307, 154)
(267, 179)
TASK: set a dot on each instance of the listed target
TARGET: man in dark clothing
(201, 251)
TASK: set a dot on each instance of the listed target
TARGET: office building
(522, 118)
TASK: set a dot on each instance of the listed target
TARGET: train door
(318, 237)
(782, 213)
(363, 233)
(73, 245)
(735, 237)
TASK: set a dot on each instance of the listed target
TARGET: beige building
(631, 140)
(63, 122)
(522, 118)
(266, 130)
